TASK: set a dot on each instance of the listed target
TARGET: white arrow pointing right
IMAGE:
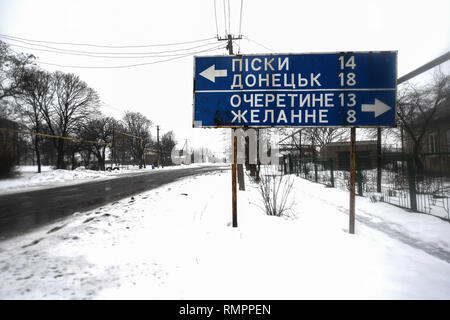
(211, 73)
(378, 107)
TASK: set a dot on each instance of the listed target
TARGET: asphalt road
(21, 212)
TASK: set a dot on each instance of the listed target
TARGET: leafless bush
(346, 178)
(275, 189)
(362, 177)
(431, 186)
(398, 181)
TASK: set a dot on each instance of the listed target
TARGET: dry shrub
(275, 190)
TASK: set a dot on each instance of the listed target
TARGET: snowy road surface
(22, 211)
(175, 242)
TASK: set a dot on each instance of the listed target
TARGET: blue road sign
(343, 89)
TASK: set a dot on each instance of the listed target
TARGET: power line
(215, 15)
(225, 16)
(104, 104)
(240, 26)
(111, 53)
(238, 43)
(259, 44)
(55, 136)
(130, 65)
(103, 56)
(240, 20)
(229, 17)
(105, 46)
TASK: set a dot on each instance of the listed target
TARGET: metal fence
(401, 184)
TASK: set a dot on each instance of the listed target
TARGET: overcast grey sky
(419, 30)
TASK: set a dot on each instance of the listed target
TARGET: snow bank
(29, 179)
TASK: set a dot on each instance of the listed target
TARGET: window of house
(432, 142)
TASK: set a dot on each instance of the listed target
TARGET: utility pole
(188, 156)
(240, 168)
(230, 39)
(113, 147)
(158, 145)
(233, 165)
(425, 67)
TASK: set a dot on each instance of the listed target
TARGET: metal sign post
(233, 181)
(351, 228)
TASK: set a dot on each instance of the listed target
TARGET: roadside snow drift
(28, 179)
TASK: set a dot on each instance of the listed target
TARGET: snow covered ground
(28, 179)
(175, 242)
(393, 191)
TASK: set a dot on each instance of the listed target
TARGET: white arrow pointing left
(378, 108)
(211, 73)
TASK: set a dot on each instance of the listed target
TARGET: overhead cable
(103, 56)
(229, 18)
(240, 19)
(104, 46)
(110, 53)
(225, 17)
(129, 65)
(215, 16)
(259, 44)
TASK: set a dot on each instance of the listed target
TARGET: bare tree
(168, 142)
(13, 68)
(100, 130)
(315, 137)
(138, 125)
(37, 94)
(320, 137)
(74, 103)
(9, 110)
(416, 109)
(120, 150)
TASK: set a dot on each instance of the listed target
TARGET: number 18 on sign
(347, 89)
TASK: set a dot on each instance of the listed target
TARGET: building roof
(442, 113)
(347, 143)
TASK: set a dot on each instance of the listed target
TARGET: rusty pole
(233, 180)
(234, 163)
(351, 228)
(379, 160)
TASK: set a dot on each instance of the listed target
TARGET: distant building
(297, 151)
(339, 153)
(8, 138)
(9, 146)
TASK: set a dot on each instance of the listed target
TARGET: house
(9, 146)
(8, 137)
(435, 146)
